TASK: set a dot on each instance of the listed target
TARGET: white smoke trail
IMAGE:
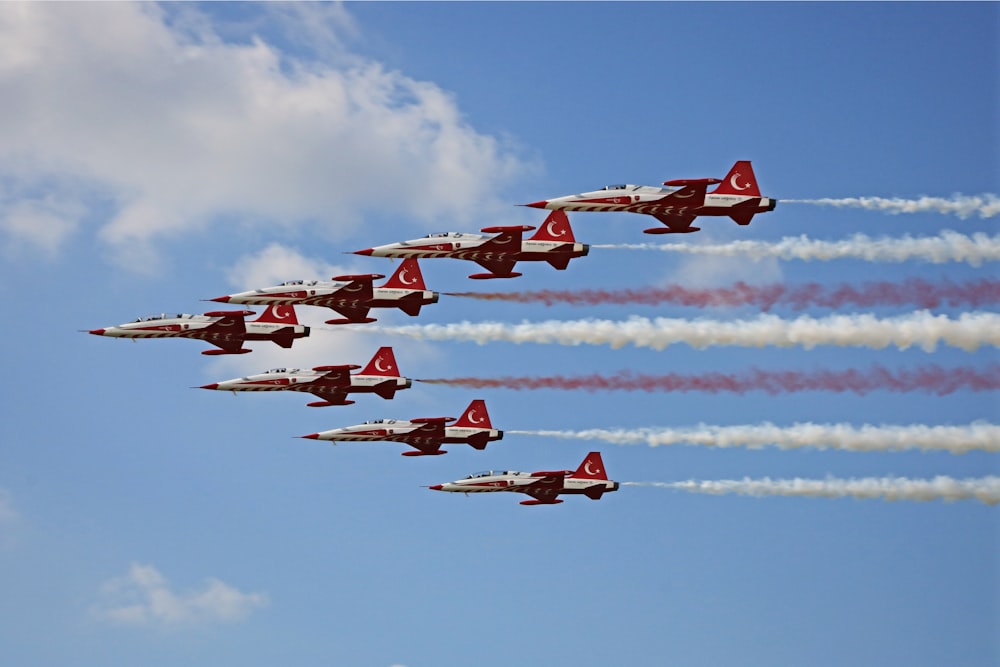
(977, 436)
(948, 247)
(968, 331)
(985, 206)
(985, 489)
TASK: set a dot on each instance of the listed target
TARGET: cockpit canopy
(292, 283)
(616, 187)
(381, 421)
(164, 316)
(493, 473)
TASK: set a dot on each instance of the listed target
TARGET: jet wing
(676, 223)
(429, 436)
(507, 239)
(353, 314)
(546, 488)
(501, 268)
(358, 287)
(335, 376)
(228, 332)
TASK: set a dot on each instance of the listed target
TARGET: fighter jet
(351, 296)
(226, 329)
(424, 434)
(552, 243)
(677, 205)
(330, 383)
(590, 479)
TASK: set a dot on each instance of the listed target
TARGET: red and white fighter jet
(226, 329)
(553, 243)
(330, 383)
(351, 296)
(677, 205)
(589, 479)
(424, 434)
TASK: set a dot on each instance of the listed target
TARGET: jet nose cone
(366, 251)
(97, 332)
(537, 204)
(222, 299)
(311, 436)
(214, 385)
(436, 487)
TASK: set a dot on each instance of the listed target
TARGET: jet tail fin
(475, 416)
(279, 314)
(407, 276)
(739, 181)
(555, 228)
(383, 363)
(591, 468)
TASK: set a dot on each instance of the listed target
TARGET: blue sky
(154, 156)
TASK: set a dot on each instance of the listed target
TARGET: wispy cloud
(143, 597)
(277, 263)
(171, 127)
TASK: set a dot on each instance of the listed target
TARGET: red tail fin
(555, 228)
(739, 181)
(383, 363)
(475, 416)
(591, 468)
(279, 314)
(407, 276)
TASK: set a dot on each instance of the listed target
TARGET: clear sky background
(155, 155)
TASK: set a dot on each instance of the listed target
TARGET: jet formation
(498, 249)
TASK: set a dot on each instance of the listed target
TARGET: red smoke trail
(915, 291)
(933, 379)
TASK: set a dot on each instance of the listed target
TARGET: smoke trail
(968, 332)
(985, 489)
(932, 378)
(948, 247)
(985, 206)
(977, 436)
(916, 291)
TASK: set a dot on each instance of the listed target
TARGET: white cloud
(277, 263)
(143, 597)
(175, 127)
